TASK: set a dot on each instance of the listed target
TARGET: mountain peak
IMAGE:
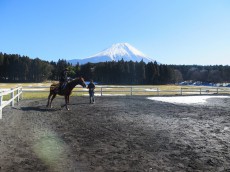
(116, 52)
(120, 50)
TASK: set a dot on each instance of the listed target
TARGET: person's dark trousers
(91, 96)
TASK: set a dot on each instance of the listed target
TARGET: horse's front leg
(66, 102)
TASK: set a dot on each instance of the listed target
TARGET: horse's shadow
(39, 108)
(46, 109)
(80, 103)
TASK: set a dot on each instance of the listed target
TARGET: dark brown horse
(54, 90)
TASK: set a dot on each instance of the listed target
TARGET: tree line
(208, 74)
(16, 68)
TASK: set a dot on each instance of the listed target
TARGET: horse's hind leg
(54, 95)
(48, 102)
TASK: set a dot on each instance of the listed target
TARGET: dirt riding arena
(116, 134)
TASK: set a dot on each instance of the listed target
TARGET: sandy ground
(115, 134)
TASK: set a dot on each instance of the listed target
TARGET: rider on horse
(63, 80)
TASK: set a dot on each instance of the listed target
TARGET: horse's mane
(77, 78)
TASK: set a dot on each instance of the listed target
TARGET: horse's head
(82, 82)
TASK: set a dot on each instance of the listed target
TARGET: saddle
(56, 87)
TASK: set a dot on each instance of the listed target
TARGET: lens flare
(50, 149)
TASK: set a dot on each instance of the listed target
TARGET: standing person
(63, 79)
(91, 88)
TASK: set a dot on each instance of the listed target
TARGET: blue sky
(169, 31)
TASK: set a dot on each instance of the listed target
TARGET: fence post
(131, 90)
(21, 93)
(158, 91)
(101, 91)
(200, 91)
(217, 91)
(18, 94)
(12, 97)
(1, 97)
(180, 91)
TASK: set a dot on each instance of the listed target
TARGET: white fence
(113, 90)
(139, 90)
(205, 90)
(12, 95)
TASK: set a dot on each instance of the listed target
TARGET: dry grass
(41, 90)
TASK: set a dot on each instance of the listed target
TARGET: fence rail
(138, 90)
(12, 95)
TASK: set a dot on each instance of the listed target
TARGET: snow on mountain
(116, 52)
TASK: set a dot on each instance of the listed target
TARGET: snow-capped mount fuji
(115, 53)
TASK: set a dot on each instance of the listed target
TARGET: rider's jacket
(63, 76)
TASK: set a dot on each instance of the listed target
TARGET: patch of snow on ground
(186, 99)
(33, 89)
(151, 89)
(5, 89)
(106, 94)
